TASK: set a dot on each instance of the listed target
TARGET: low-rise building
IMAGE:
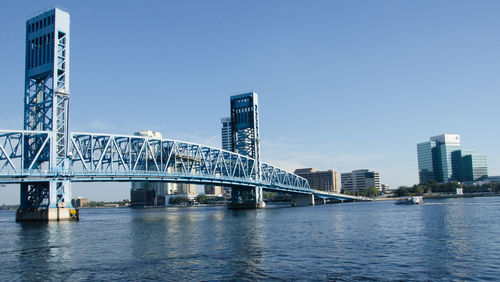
(213, 190)
(80, 202)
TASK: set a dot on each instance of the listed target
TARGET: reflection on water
(453, 239)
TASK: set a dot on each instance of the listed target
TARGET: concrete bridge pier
(44, 201)
(302, 200)
(247, 198)
(320, 201)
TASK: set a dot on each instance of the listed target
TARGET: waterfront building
(360, 179)
(80, 202)
(227, 142)
(320, 180)
(493, 179)
(442, 160)
(434, 158)
(385, 188)
(467, 166)
(214, 190)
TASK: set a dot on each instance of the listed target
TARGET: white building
(227, 138)
(360, 179)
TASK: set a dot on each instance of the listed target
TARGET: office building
(360, 179)
(320, 180)
(213, 190)
(385, 188)
(227, 142)
(80, 202)
(467, 166)
(441, 159)
(434, 158)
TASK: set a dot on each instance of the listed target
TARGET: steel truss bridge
(45, 157)
(106, 157)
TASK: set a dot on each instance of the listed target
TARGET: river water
(450, 239)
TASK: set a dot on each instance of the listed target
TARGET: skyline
(369, 60)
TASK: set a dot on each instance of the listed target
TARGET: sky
(342, 85)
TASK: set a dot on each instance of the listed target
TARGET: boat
(416, 200)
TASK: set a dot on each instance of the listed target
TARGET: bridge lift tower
(46, 106)
(246, 141)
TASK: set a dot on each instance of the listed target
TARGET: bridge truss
(109, 157)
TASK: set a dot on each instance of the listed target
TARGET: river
(449, 239)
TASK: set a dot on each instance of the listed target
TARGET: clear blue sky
(341, 84)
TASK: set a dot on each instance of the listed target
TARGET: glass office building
(469, 166)
(442, 160)
(441, 156)
(425, 165)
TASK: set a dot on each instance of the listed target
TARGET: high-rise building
(320, 180)
(467, 166)
(442, 160)
(360, 179)
(227, 142)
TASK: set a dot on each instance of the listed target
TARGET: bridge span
(95, 157)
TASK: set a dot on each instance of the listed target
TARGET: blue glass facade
(441, 156)
(474, 167)
(442, 160)
(425, 164)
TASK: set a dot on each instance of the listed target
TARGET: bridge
(45, 157)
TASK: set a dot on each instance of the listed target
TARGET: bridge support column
(46, 201)
(302, 200)
(246, 198)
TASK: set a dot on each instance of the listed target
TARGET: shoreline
(442, 196)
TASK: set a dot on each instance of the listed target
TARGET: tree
(402, 191)
(371, 192)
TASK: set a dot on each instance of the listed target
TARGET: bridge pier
(303, 200)
(45, 201)
(320, 201)
(246, 198)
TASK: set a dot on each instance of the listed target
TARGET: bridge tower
(246, 141)
(46, 106)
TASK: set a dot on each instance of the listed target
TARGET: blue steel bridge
(46, 157)
(95, 157)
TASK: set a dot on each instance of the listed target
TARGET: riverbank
(441, 196)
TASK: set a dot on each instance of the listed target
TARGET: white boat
(410, 201)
